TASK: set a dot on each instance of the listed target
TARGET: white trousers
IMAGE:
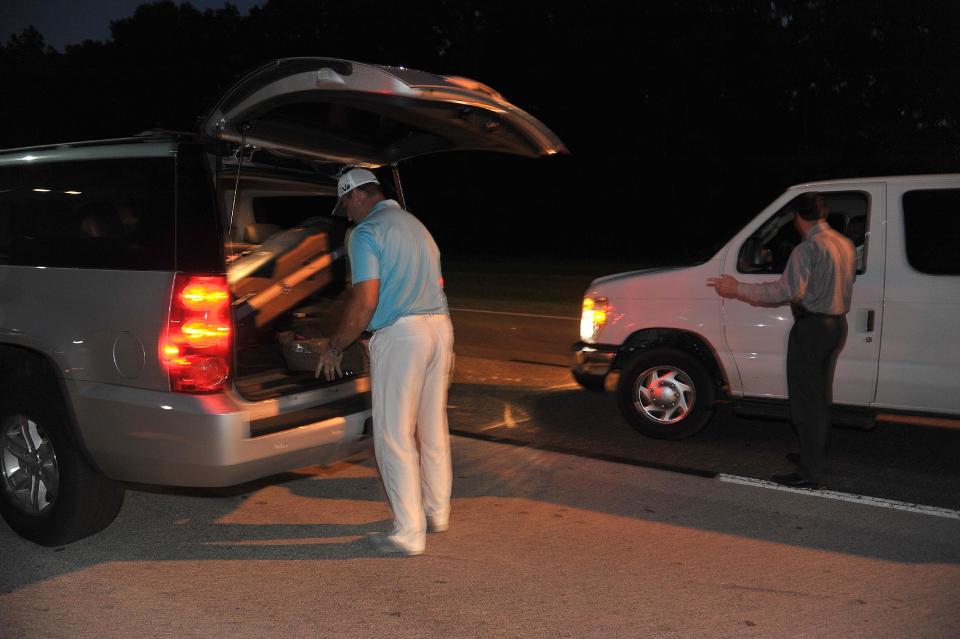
(410, 366)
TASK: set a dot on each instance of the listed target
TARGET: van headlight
(593, 317)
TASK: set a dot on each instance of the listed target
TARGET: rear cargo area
(288, 274)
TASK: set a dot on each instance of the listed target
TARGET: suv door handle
(870, 321)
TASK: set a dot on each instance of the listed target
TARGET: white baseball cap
(351, 180)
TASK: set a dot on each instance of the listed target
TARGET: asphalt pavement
(514, 385)
(541, 544)
(565, 523)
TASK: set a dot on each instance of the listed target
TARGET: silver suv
(163, 297)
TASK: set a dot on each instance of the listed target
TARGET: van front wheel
(666, 393)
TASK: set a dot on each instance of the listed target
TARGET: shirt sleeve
(364, 256)
(791, 285)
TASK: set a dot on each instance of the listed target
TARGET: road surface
(565, 523)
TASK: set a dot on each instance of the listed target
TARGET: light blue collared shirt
(393, 246)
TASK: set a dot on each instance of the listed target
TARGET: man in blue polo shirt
(398, 294)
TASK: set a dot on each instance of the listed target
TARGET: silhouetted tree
(696, 112)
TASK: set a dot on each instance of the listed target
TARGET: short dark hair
(810, 206)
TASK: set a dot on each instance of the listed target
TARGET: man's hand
(364, 297)
(329, 365)
(726, 285)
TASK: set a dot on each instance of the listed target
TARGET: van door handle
(870, 321)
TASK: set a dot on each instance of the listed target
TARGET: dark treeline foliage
(683, 117)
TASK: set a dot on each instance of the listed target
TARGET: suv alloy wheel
(49, 494)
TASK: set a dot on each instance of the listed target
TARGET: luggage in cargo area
(282, 272)
(289, 287)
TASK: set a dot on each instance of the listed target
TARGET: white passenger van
(674, 346)
(163, 297)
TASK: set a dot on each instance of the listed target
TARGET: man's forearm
(765, 293)
(360, 308)
(351, 327)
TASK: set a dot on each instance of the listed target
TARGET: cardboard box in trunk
(286, 269)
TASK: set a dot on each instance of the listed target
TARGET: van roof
(900, 179)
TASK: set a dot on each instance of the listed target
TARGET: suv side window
(767, 250)
(931, 220)
(107, 214)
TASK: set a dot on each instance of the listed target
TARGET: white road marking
(851, 497)
(474, 310)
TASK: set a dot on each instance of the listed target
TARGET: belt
(422, 317)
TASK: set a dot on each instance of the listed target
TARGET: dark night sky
(64, 22)
(694, 114)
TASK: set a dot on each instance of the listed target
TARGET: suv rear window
(107, 214)
(932, 228)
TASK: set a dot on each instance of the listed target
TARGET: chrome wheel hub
(665, 394)
(31, 476)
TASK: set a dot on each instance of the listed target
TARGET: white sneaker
(437, 523)
(385, 544)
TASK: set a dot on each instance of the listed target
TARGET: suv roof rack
(152, 135)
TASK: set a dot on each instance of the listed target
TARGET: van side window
(767, 250)
(931, 220)
(107, 214)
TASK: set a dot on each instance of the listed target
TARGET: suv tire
(666, 393)
(49, 494)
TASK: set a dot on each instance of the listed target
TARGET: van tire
(679, 398)
(84, 501)
(589, 382)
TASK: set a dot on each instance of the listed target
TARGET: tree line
(686, 112)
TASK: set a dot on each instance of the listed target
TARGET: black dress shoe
(793, 458)
(795, 480)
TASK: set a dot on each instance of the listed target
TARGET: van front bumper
(174, 439)
(593, 360)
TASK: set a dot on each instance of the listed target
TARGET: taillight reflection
(196, 348)
(204, 294)
(200, 334)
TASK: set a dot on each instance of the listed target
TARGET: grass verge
(525, 285)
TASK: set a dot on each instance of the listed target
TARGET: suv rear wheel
(48, 493)
(666, 393)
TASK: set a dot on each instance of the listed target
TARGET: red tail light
(195, 350)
